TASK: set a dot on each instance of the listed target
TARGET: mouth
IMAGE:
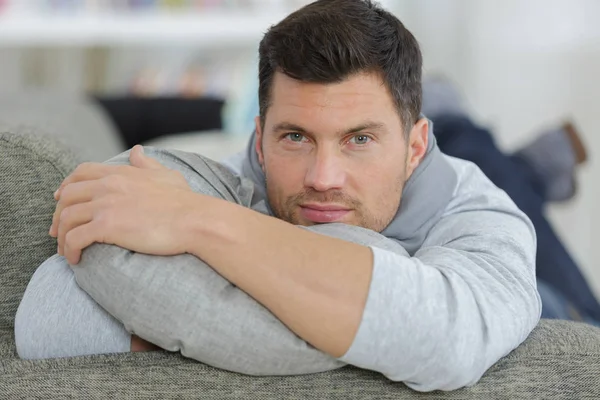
(323, 213)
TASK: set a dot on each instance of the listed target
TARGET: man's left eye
(360, 139)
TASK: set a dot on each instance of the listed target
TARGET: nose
(326, 172)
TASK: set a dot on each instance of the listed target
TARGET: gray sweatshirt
(441, 318)
(464, 293)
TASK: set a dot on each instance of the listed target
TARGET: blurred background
(521, 65)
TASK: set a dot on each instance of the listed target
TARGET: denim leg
(459, 137)
(554, 304)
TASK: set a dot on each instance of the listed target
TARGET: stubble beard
(289, 210)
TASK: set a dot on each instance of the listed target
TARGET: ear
(417, 145)
(259, 139)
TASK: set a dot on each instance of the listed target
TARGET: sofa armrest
(32, 166)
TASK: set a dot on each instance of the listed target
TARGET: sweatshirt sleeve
(440, 319)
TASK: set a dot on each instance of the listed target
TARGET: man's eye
(295, 137)
(360, 139)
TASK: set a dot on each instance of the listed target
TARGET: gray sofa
(560, 360)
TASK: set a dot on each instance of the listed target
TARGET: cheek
(379, 185)
(284, 175)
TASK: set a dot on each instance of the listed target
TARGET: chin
(340, 221)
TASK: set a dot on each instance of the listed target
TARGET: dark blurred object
(142, 119)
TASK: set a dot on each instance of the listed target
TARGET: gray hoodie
(464, 293)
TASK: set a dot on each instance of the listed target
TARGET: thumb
(137, 158)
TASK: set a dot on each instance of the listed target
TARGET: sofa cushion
(7, 343)
(32, 168)
(538, 369)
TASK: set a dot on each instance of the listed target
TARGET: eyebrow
(287, 126)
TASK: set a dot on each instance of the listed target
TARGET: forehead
(359, 97)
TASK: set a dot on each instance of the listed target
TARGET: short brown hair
(329, 40)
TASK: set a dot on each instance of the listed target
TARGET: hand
(140, 207)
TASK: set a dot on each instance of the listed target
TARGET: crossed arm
(319, 293)
(435, 321)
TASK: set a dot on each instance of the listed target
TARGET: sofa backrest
(72, 119)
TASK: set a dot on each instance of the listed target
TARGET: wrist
(206, 222)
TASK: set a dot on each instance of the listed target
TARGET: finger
(72, 217)
(137, 158)
(74, 193)
(90, 171)
(77, 239)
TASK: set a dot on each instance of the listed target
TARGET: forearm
(435, 321)
(315, 284)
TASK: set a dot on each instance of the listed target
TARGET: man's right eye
(295, 137)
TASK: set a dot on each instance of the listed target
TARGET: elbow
(452, 373)
(462, 362)
(436, 363)
(462, 372)
(454, 359)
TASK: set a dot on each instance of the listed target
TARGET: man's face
(336, 152)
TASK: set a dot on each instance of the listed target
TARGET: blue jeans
(459, 137)
(556, 306)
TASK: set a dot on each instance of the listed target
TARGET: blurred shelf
(203, 30)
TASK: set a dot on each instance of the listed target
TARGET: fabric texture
(559, 359)
(32, 166)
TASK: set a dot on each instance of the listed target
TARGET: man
(340, 141)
